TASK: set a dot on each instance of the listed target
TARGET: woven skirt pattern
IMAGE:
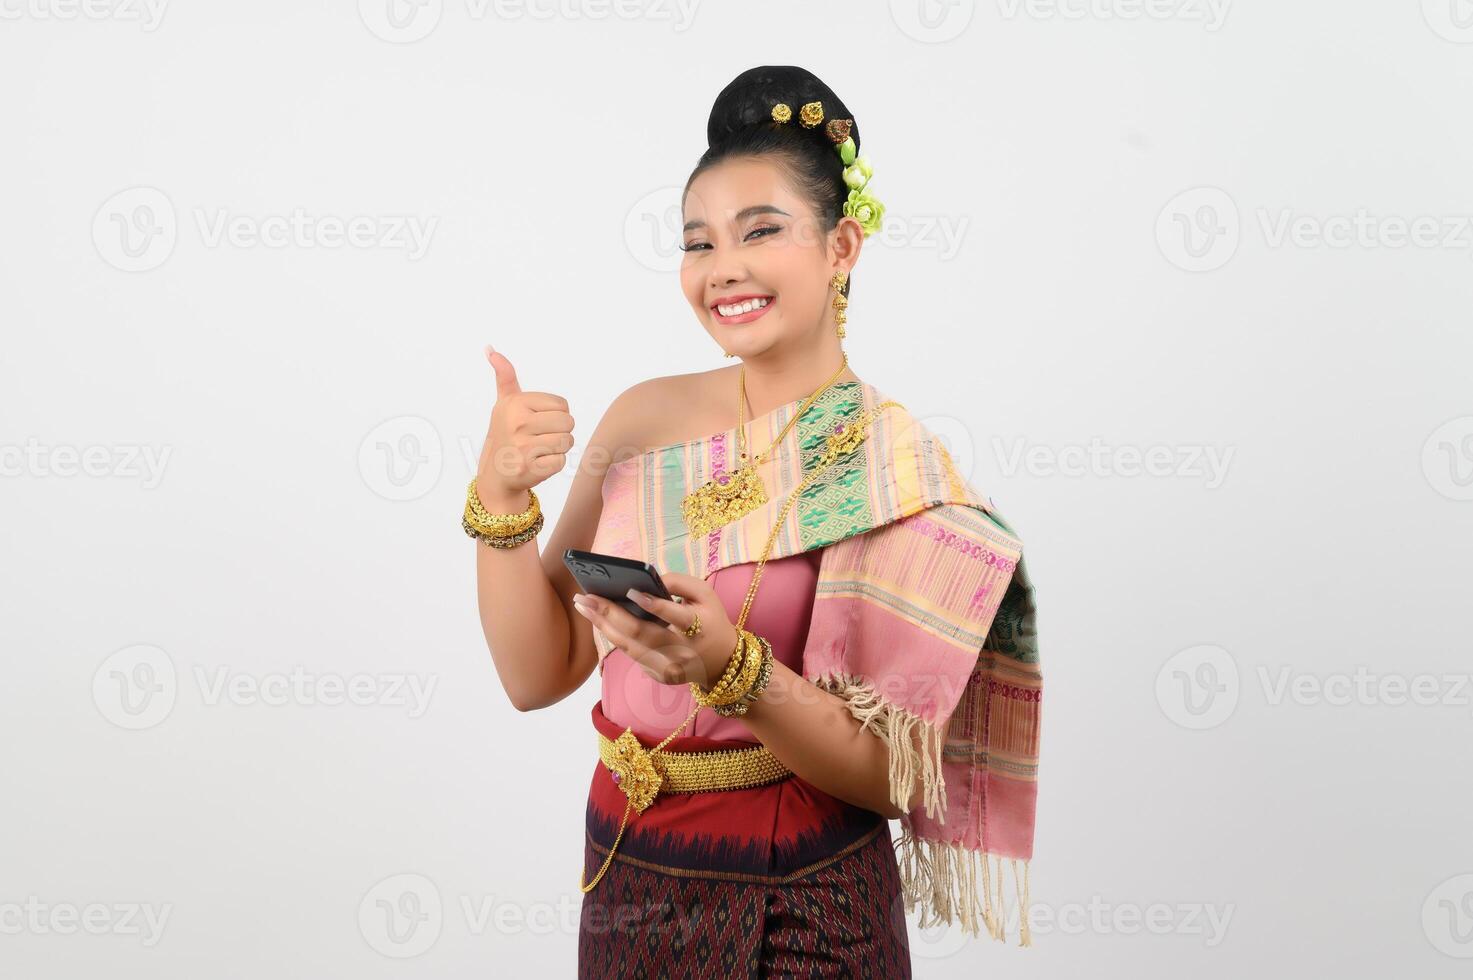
(781, 880)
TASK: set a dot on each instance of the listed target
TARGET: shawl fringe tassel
(938, 878)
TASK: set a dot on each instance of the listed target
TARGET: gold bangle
(504, 540)
(499, 525)
(732, 691)
(479, 517)
(728, 688)
(750, 668)
(732, 666)
(764, 674)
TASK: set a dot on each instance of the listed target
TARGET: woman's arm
(813, 733)
(526, 626)
(542, 651)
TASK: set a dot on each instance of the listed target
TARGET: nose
(726, 271)
(725, 265)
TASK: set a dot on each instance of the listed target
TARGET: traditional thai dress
(893, 585)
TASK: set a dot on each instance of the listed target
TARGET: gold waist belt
(643, 776)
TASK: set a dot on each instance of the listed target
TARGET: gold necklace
(729, 496)
(845, 438)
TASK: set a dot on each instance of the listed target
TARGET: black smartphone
(612, 577)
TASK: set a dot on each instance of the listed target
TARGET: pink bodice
(780, 612)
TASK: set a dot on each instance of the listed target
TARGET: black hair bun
(748, 99)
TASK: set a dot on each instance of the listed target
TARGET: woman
(851, 638)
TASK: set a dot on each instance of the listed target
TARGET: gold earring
(838, 282)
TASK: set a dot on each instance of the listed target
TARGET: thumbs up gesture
(527, 442)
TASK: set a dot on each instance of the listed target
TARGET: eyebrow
(743, 215)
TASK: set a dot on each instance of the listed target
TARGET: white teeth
(746, 306)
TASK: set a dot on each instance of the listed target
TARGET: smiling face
(757, 264)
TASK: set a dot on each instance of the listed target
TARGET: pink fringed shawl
(923, 622)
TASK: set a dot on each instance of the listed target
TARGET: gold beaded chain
(845, 438)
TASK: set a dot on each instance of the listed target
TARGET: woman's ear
(848, 240)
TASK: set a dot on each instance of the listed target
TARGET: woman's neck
(767, 388)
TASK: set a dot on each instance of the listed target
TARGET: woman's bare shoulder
(668, 409)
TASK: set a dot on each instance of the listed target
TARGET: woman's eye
(764, 230)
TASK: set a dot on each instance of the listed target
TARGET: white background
(1083, 250)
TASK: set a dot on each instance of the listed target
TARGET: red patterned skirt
(777, 880)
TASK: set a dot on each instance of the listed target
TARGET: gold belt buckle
(635, 771)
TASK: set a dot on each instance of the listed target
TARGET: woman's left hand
(664, 651)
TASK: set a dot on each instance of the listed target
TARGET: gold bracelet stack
(501, 530)
(745, 679)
